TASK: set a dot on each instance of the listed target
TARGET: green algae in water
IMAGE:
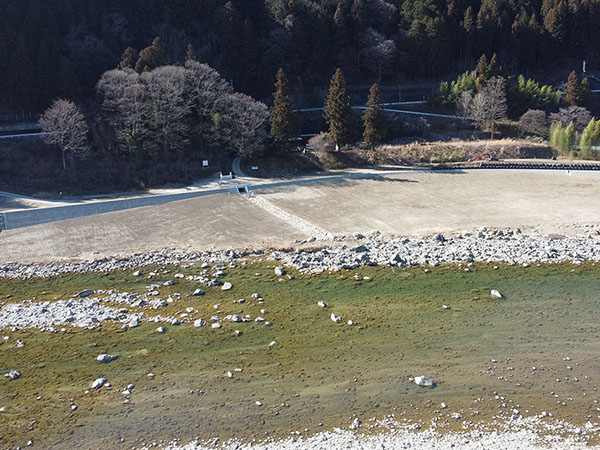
(319, 371)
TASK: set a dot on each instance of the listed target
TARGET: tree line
(60, 48)
(165, 113)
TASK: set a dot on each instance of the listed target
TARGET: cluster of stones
(507, 246)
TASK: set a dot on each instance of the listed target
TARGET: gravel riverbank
(350, 252)
(532, 433)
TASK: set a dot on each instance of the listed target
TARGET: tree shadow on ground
(12, 203)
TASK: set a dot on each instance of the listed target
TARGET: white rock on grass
(199, 323)
(216, 325)
(160, 330)
(226, 286)
(137, 273)
(105, 358)
(198, 292)
(495, 293)
(133, 323)
(279, 271)
(322, 304)
(272, 343)
(234, 318)
(12, 375)
(98, 383)
(423, 381)
(336, 318)
(356, 423)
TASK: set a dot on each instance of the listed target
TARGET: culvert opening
(243, 189)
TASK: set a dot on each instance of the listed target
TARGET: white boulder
(105, 358)
(12, 375)
(423, 381)
(336, 318)
(98, 383)
(495, 293)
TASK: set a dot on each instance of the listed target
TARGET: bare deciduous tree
(243, 124)
(534, 121)
(64, 125)
(124, 107)
(168, 107)
(576, 114)
(488, 106)
(206, 86)
(379, 52)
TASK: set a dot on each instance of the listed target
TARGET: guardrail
(516, 165)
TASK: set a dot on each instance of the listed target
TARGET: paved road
(236, 167)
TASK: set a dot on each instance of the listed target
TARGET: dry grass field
(422, 203)
(404, 203)
(219, 221)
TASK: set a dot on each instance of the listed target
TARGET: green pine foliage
(152, 57)
(129, 58)
(374, 119)
(337, 112)
(524, 94)
(590, 138)
(561, 138)
(568, 143)
(447, 94)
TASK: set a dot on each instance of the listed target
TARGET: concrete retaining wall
(29, 217)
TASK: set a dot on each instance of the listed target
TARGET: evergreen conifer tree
(129, 58)
(585, 93)
(572, 90)
(494, 68)
(190, 54)
(337, 111)
(152, 57)
(283, 122)
(482, 69)
(374, 119)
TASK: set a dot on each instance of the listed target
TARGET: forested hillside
(60, 48)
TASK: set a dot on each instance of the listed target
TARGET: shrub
(534, 121)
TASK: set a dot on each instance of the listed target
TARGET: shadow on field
(11, 203)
